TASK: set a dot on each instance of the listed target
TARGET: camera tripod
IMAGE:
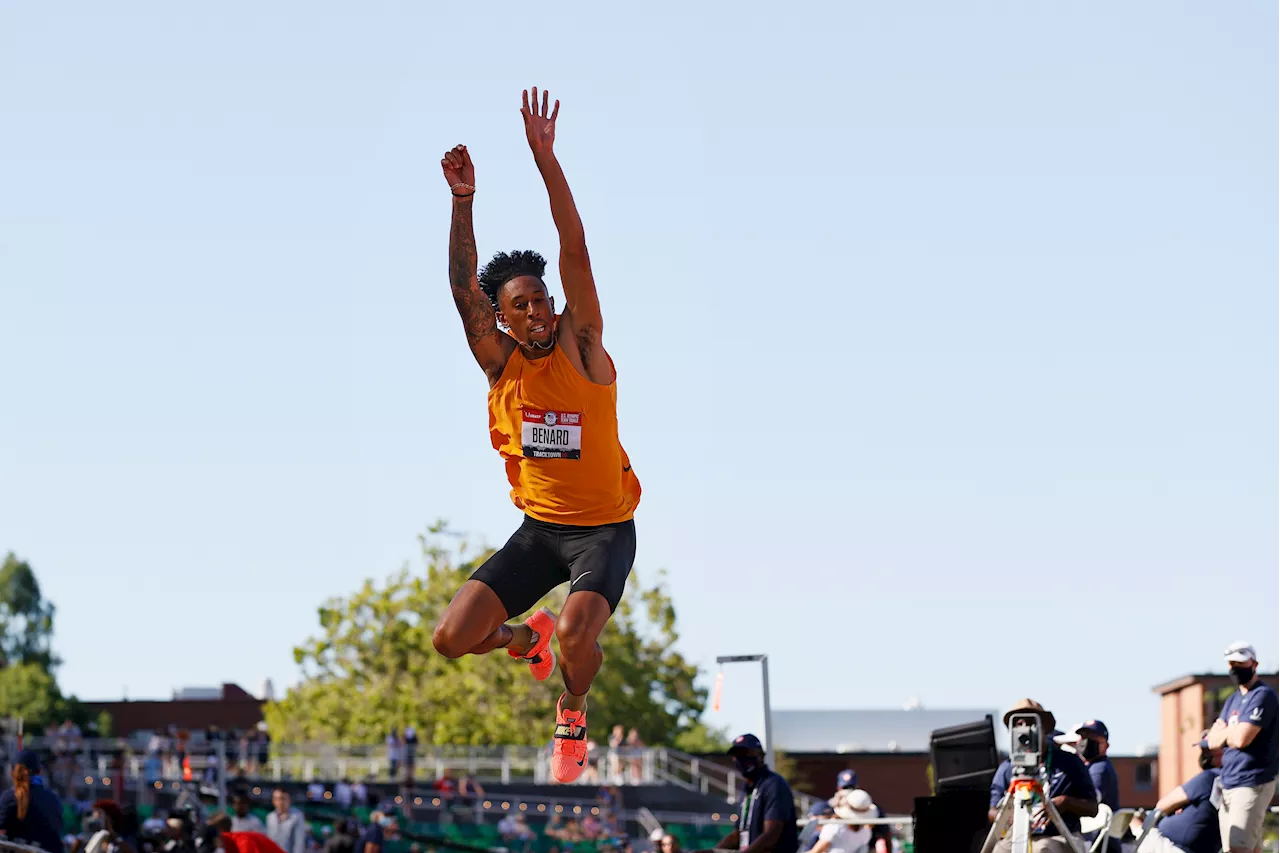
(1015, 810)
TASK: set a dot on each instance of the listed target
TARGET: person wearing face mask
(767, 818)
(1247, 729)
(848, 837)
(1092, 748)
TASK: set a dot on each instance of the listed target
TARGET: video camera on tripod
(1026, 744)
(1027, 801)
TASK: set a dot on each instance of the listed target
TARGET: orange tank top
(557, 432)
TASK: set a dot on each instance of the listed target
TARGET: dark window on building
(1144, 776)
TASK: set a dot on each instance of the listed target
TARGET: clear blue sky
(946, 336)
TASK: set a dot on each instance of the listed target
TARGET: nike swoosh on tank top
(557, 432)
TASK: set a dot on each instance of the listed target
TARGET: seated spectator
(817, 812)
(846, 838)
(1070, 787)
(515, 831)
(315, 792)
(106, 821)
(446, 786)
(342, 794)
(1188, 819)
(30, 812)
(592, 828)
(669, 844)
(360, 794)
(343, 839)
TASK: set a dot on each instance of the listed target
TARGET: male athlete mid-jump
(553, 419)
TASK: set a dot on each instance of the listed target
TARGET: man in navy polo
(1092, 748)
(1247, 728)
(1070, 787)
(1187, 817)
(767, 820)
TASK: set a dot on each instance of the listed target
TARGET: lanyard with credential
(744, 825)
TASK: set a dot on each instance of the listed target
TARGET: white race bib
(551, 435)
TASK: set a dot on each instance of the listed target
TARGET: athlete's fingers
(545, 95)
(466, 156)
(535, 101)
(524, 103)
(556, 111)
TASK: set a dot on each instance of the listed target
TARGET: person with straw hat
(1070, 788)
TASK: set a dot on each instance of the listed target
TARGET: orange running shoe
(569, 758)
(541, 660)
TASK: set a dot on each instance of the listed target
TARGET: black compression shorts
(540, 556)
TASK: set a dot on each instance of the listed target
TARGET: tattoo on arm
(474, 307)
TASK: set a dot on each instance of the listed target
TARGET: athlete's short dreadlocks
(508, 265)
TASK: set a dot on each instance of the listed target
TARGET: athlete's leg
(472, 624)
(600, 560)
(581, 621)
(508, 584)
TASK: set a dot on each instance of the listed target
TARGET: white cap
(1241, 652)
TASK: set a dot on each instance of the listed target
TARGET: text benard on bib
(551, 435)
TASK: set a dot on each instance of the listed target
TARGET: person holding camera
(1186, 818)
(105, 827)
(1070, 789)
(1247, 728)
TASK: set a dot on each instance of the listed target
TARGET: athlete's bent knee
(447, 642)
(575, 642)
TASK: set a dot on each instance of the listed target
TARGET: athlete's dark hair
(508, 265)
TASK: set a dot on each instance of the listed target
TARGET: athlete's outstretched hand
(539, 123)
(458, 171)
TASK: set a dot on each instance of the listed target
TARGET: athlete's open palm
(539, 123)
(459, 171)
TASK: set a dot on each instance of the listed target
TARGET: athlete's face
(527, 310)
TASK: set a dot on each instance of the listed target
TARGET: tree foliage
(28, 691)
(26, 619)
(372, 667)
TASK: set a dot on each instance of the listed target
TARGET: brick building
(227, 707)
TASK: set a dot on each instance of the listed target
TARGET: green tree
(26, 619)
(372, 667)
(27, 690)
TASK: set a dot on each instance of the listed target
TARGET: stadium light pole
(763, 660)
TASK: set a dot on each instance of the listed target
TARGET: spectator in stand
(360, 793)
(1247, 728)
(29, 811)
(285, 825)
(846, 780)
(635, 747)
(446, 787)
(242, 817)
(410, 751)
(616, 737)
(471, 794)
(843, 837)
(817, 812)
(315, 792)
(344, 836)
(669, 844)
(515, 832)
(374, 837)
(342, 794)
(394, 751)
(106, 822)
(592, 828)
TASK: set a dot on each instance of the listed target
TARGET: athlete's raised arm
(582, 313)
(490, 346)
